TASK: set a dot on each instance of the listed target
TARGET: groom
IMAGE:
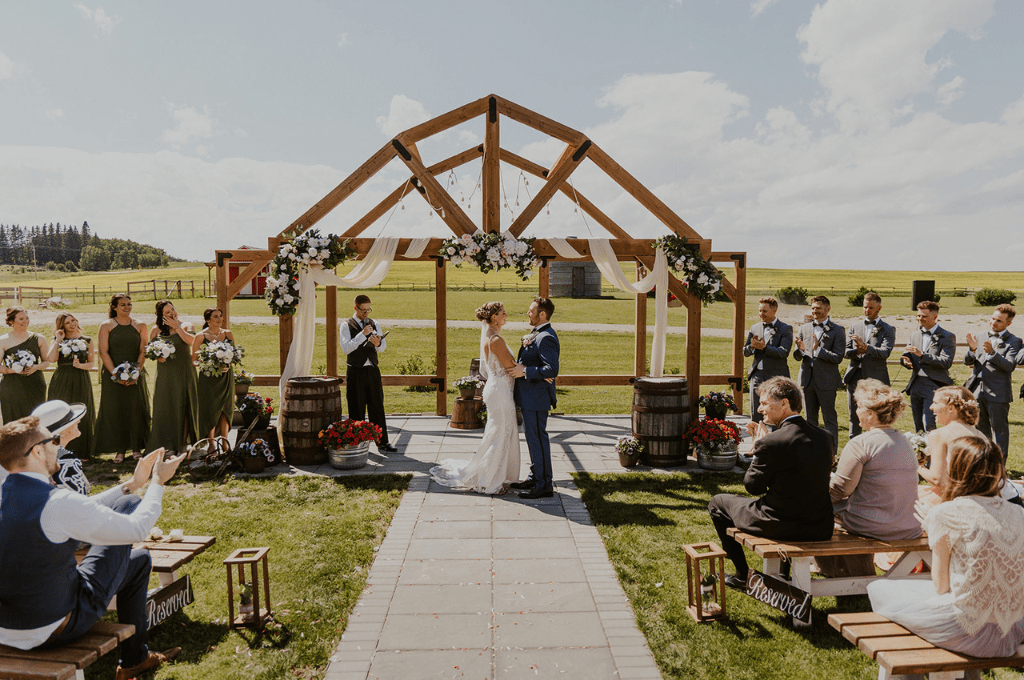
(537, 363)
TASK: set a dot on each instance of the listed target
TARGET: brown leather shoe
(150, 663)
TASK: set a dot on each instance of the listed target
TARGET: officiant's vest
(358, 357)
(38, 579)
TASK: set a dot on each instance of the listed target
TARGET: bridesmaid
(70, 382)
(175, 402)
(216, 393)
(123, 421)
(21, 392)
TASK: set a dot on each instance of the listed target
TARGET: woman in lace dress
(974, 603)
(496, 462)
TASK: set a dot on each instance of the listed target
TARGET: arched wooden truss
(422, 181)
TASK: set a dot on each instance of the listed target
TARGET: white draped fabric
(370, 271)
(608, 263)
(563, 248)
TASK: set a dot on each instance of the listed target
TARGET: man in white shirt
(992, 360)
(46, 599)
(362, 339)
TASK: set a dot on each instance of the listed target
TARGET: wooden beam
(640, 335)
(571, 158)
(581, 380)
(492, 170)
(248, 274)
(642, 194)
(739, 329)
(437, 197)
(285, 324)
(625, 249)
(223, 300)
(428, 380)
(331, 300)
(343, 190)
(441, 333)
(544, 279)
(445, 121)
(693, 337)
(575, 196)
(523, 115)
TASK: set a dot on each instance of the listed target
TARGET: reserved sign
(169, 600)
(780, 595)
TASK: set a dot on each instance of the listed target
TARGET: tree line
(70, 248)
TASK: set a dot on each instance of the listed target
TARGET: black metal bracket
(221, 257)
(736, 381)
(492, 110)
(440, 260)
(580, 152)
(439, 382)
(741, 258)
(544, 260)
(415, 181)
(402, 151)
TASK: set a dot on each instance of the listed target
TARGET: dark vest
(38, 579)
(365, 351)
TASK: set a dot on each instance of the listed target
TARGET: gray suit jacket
(775, 353)
(990, 380)
(881, 338)
(935, 362)
(823, 370)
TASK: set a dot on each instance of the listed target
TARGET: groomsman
(993, 363)
(820, 346)
(769, 342)
(928, 356)
(868, 347)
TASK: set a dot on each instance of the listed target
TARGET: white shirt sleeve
(348, 343)
(70, 515)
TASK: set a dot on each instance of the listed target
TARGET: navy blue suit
(535, 397)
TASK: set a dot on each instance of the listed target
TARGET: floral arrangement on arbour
(492, 252)
(347, 433)
(76, 348)
(216, 357)
(701, 278)
(301, 252)
(160, 350)
(20, 361)
(712, 434)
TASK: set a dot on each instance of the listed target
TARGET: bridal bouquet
(76, 347)
(20, 360)
(126, 372)
(701, 278)
(302, 252)
(159, 350)
(492, 252)
(216, 357)
(920, 446)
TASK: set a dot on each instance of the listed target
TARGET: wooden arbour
(423, 182)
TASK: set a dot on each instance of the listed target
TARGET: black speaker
(921, 291)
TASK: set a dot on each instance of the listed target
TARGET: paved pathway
(473, 586)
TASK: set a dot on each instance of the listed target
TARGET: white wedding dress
(496, 462)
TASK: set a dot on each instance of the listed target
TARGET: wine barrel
(309, 405)
(661, 414)
(464, 415)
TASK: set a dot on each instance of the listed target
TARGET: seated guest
(46, 599)
(62, 418)
(974, 603)
(874, 487)
(791, 469)
(956, 414)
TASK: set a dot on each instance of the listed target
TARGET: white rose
(312, 252)
(17, 368)
(456, 260)
(451, 251)
(702, 279)
(279, 302)
(288, 298)
(528, 273)
(291, 256)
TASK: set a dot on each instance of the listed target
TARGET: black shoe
(525, 484)
(736, 582)
(386, 448)
(538, 493)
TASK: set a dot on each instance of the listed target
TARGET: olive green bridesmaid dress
(72, 385)
(216, 399)
(20, 394)
(175, 401)
(123, 420)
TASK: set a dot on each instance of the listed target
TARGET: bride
(496, 462)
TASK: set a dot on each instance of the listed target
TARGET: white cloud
(404, 114)
(6, 67)
(191, 125)
(343, 40)
(103, 21)
(758, 6)
(951, 91)
(54, 114)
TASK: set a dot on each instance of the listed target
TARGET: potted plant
(717, 405)
(255, 455)
(715, 442)
(255, 407)
(629, 450)
(243, 380)
(467, 386)
(347, 442)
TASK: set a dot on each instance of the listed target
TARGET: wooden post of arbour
(331, 300)
(492, 171)
(693, 312)
(223, 302)
(441, 330)
(739, 325)
(285, 324)
(543, 279)
(640, 341)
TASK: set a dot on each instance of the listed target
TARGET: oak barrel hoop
(661, 414)
(310, 404)
(465, 414)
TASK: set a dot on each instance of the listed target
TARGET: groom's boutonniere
(529, 338)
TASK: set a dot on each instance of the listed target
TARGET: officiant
(362, 339)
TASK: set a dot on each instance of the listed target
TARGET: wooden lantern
(705, 582)
(259, 616)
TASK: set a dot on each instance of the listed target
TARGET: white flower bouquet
(216, 357)
(298, 255)
(160, 350)
(920, 445)
(492, 252)
(74, 347)
(126, 372)
(20, 361)
(700, 277)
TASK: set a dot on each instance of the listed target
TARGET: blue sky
(844, 133)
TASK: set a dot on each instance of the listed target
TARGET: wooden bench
(802, 554)
(168, 557)
(899, 652)
(64, 662)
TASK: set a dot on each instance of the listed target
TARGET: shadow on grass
(634, 499)
(384, 482)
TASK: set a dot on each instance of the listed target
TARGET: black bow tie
(993, 335)
(819, 325)
(871, 323)
(926, 332)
